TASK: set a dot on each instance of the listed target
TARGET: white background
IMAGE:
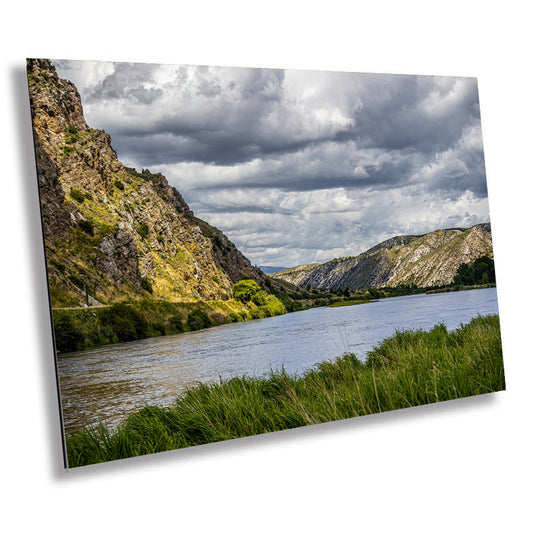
(461, 466)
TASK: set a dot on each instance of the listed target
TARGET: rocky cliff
(424, 260)
(110, 231)
(228, 257)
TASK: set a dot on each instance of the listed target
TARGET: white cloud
(298, 166)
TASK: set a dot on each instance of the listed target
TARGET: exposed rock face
(55, 215)
(169, 194)
(423, 260)
(106, 226)
(119, 260)
(228, 257)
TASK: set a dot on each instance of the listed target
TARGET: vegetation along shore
(408, 369)
(80, 328)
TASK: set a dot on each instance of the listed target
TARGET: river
(108, 382)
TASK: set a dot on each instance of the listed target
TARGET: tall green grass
(408, 369)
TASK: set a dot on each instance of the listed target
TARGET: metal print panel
(234, 251)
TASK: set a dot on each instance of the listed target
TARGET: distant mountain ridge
(271, 269)
(109, 230)
(424, 260)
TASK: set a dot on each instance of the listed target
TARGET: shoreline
(410, 368)
(205, 305)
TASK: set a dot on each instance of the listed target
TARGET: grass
(408, 369)
(349, 302)
(80, 328)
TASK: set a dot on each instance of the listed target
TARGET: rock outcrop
(424, 260)
(109, 230)
(228, 257)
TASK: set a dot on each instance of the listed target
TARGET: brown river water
(107, 383)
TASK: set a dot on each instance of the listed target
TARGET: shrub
(77, 195)
(119, 185)
(272, 306)
(67, 336)
(256, 312)
(72, 135)
(124, 321)
(143, 230)
(198, 319)
(107, 229)
(68, 150)
(79, 282)
(260, 298)
(87, 226)
(235, 317)
(146, 285)
(175, 322)
(158, 328)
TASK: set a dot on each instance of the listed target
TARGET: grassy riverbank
(76, 329)
(350, 302)
(408, 369)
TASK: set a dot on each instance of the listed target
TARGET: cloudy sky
(297, 166)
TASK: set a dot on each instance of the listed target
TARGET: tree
(244, 290)
(476, 272)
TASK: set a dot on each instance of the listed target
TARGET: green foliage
(255, 313)
(67, 150)
(119, 185)
(60, 294)
(348, 303)
(77, 280)
(133, 172)
(77, 195)
(143, 230)
(245, 289)
(286, 300)
(271, 306)
(198, 319)
(97, 325)
(176, 323)
(146, 285)
(409, 369)
(68, 337)
(87, 226)
(260, 297)
(267, 305)
(478, 272)
(73, 135)
(107, 229)
(124, 321)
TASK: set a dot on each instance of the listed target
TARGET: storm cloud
(297, 166)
